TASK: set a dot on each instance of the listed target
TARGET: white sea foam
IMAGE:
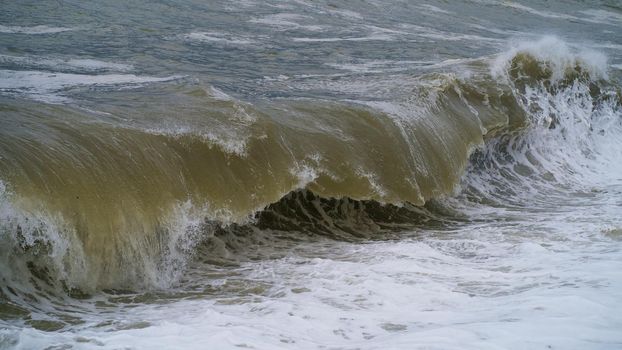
(345, 13)
(584, 142)
(305, 174)
(375, 66)
(73, 64)
(48, 86)
(219, 94)
(506, 32)
(432, 8)
(481, 288)
(602, 16)
(372, 33)
(605, 45)
(432, 33)
(573, 140)
(287, 21)
(389, 66)
(24, 229)
(372, 179)
(218, 37)
(185, 228)
(40, 29)
(590, 16)
(541, 13)
(373, 37)
(228, 140)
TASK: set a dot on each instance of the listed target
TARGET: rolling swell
(97, 202)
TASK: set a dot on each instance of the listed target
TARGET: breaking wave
(87, 203)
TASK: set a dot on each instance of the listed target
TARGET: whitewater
(311, 175)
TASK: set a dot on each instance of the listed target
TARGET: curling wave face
(106, 198)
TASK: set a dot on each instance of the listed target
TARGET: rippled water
(311, 175)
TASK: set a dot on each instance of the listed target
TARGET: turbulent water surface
(305, 174)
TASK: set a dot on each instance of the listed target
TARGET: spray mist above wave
(132, 201)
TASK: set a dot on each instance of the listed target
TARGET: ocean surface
(303, 174)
